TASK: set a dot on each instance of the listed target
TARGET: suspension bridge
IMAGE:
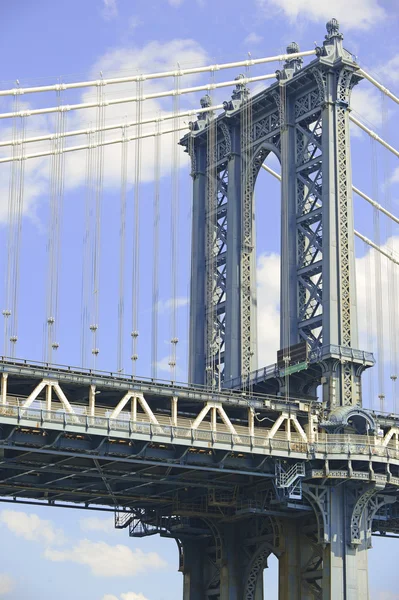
(118, 188)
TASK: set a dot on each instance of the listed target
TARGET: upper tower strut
(303, 120)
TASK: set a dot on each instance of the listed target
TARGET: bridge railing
(37, 418)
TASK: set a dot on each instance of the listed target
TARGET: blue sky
(44, 42)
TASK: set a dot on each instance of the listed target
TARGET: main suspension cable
(121, 125)
(374, 135)
(90, 145)
(145, 77)
(378, 85)
(129, 99)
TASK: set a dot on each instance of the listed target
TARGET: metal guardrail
(38, 418)
(147, 383)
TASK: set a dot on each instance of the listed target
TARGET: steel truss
(302, 119)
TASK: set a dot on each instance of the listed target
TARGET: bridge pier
(227, 565)
(345, 570)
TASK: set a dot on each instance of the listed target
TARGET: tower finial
(293, 63)
(333, 29)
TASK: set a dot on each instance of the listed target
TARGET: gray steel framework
(303, 120)
(229, 500)
(233, 477)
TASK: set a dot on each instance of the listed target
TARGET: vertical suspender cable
(286, 314)
(378, 282)
(14, 167)
(369, 315)
(174, 231)
(122, 250)
(98, 191)
(19, 200)
(155, 265)
(392, 268)
(136, 240)
(191, 150)
(87, 240)
(57, 171)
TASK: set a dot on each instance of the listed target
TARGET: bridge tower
(303, 119)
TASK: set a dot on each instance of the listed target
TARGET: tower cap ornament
(292, 48)
(332, 27)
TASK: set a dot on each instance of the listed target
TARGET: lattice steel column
(318, 286)
(197, 352)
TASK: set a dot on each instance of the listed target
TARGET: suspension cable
(155, 262)
(375, 204)
(122, 252)
(14, 167)
(174, 234)
(374, 135)
(160, 75)
(120, 125)
(96, 250)
(369, 315)
(378, 281)
(80, 106)
(136, 240)
(355, 189)
(18, 200)
(392, 271)
(378, 85)
(57, 171)
(91, 144)
(87, 248)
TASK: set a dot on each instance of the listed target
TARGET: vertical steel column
(341, 384)
(234, 243)
(288, 289)
(193, 570)
(197, 354)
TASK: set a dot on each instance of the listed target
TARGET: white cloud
(366, 103)
(105, 560)
(357, 14)
(7, 585)
(365, 272)
(126, 596)
(153, 57)
(268, 288)
(166, 305)
(105, 525)
(395, 176)
(268, 282)
(389, 69)
(110, 9)
(134, 22)
(164, 366)
(31, 527)
(253, 38)
(385, 595)
(175, 2)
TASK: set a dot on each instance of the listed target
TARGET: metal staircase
(289, 480)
